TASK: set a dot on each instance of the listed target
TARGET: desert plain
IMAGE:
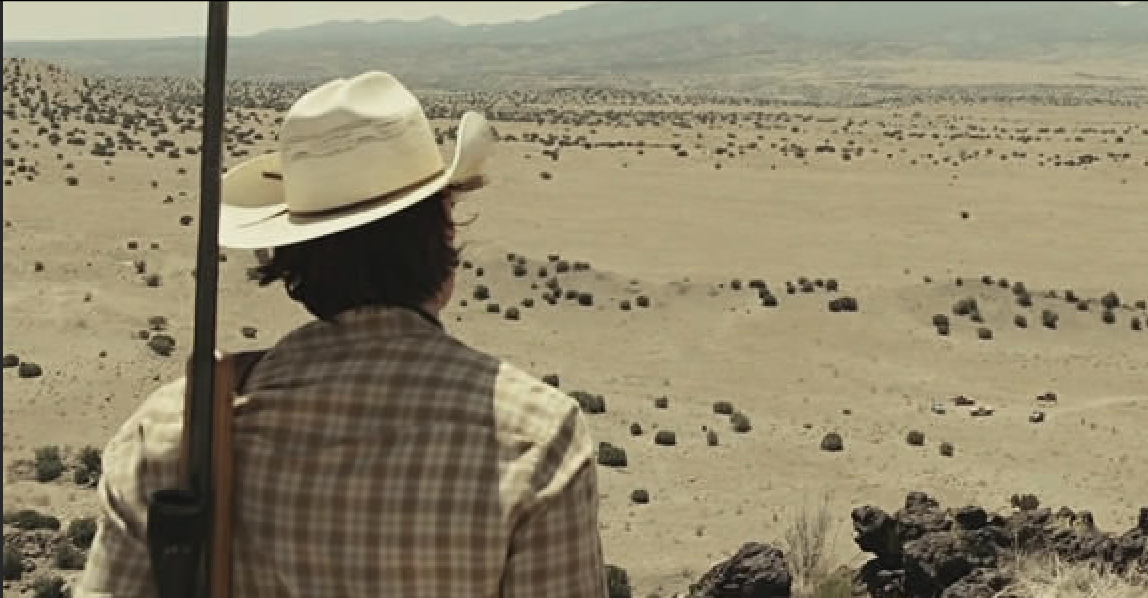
(666, 251)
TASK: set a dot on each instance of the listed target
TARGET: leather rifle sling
(231, 373)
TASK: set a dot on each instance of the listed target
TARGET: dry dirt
(678, 230)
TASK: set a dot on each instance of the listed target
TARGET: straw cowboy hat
(350, 152)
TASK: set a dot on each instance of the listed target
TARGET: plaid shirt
(376, 457)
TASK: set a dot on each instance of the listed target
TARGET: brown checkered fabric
(376, 457)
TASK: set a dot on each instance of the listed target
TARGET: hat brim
(254, 214)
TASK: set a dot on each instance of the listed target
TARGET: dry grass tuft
(1050, 577)
(807, 540)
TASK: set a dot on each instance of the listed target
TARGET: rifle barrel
(207, 266)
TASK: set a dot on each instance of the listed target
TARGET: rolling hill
(636, 38)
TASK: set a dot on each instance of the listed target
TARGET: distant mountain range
(636, 38)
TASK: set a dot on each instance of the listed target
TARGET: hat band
(384, 198)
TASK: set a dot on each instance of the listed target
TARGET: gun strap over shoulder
(231, 373)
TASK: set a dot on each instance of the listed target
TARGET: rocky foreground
(926, 550)
(921, 550)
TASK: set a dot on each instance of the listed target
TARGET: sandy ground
(679, 230)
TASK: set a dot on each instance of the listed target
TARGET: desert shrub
(13, 563)
(723, 408)
(29, 520)
(590, 403)
(665, 438)
(162, 344)
(940, 320)
(832, 442)
(662, 402)
(947, 449)
(82, 532)
(711, 438)
(640, 496)
(807, 539)
(512, 313)
(635, 429)
(618, 582)
(28, 369)
(964, 307)
(50, 586)
(67, 557)
(1109, 316)
(915, 438)
(985, 334)
(844, 304)
(642, 301)
(91, 459)
(1110, 300)
(49, 466)
(740, 422)
(1020, 321)
(610, 455)
(1047, 576)
(1025, 502)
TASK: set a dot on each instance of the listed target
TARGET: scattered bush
(915, 438)
(82, 532)
(665, 438)
(13, 563)
(49, 466)
(740, 422)
(67, 557)
(1025, 502)
(947, 449)
(29, 520)
(723, 408)
(28, 369)
(832, 442)
(590, 403)
(50, 586)
(640, 497)
(618, 583)
(610, 455)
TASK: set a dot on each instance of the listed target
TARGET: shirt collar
(399, 319)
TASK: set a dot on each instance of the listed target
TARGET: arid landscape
(776, 305)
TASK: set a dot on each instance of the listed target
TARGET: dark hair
(402, 260)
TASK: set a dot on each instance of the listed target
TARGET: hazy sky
(126, 20)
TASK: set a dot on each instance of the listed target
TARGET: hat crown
(352, 140)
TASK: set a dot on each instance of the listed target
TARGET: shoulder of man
(531, 413)
(143, 456)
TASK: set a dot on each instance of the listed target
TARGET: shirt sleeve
(556, 549)
(141, 458)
